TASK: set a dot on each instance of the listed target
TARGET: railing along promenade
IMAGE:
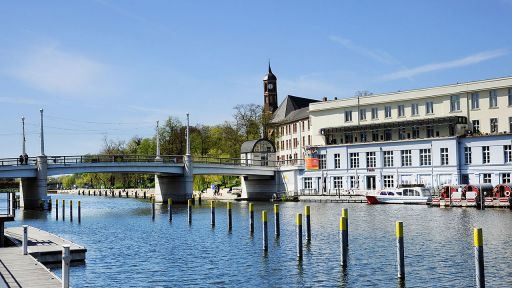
(135, 158)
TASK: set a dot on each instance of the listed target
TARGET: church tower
(270, 92)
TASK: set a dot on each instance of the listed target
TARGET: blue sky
(112, 68)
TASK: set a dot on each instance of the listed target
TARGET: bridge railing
(246, 162)
(68, 160)
(17, 161)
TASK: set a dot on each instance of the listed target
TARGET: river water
(127, 249)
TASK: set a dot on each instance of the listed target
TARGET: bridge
(173, 173)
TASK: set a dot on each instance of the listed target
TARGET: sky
(110, 69)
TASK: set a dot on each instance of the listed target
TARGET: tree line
(221, 140)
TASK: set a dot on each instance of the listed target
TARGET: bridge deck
(18, 270)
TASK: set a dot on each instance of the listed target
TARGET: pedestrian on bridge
(26, 158)
(21, 159)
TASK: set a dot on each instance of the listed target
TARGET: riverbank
(144, 193)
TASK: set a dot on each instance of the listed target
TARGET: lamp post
(158, 158)
(188, 135)
(42, 133)
(24, 151)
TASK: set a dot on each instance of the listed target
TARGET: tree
(248, 120)
(172, 137)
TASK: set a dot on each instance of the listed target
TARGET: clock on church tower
(270, 92)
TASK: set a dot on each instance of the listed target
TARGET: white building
(449, 134)
(458, 134)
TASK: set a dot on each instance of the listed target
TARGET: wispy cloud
(50, 69)
(468, 60)
(375, 54)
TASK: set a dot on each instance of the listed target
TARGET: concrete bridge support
(174, 187)
(178, 188)
(33, 191)
(259, 187)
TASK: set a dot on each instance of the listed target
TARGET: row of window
(429, 106)
(389, 181)
(292, 128)
(475, 100)
(493, 125)
(371, 159)
(292, 143)
(429, 109)
(486, 154)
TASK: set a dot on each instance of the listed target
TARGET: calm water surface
(127, 249)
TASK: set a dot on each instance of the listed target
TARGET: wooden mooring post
(276, 220)
(307, 213)
(298, 222)
(251, 218)
(478, 240)
(400, 249)
(230, 215)
(189, 206)
(212, 213)
(264, 219)
(343, 241)
(169, 207)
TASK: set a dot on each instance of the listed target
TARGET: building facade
(289, 122)
(453, 134)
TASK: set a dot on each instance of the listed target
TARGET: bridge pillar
(178, 188)
(33, 191)
(259, 187)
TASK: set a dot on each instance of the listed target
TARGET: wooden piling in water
(212, 213)
(189, 203)
(307, 213)
(276, 220)
(251, 218)
(71, 210)
(79, 212)
(343, 241)
(56, 209)
(230, 215)
(344, 213)
(63, 209)
(264, 219)
(478, 240)
(169, 207)
(298, 222)
(153, 208)
(400, 249)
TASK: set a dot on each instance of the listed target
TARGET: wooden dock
(45, 246)
(18, 270)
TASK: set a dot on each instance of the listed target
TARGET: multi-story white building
(458, 134)
(455, 134)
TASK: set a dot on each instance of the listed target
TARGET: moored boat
(403, 195)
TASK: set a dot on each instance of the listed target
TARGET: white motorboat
(404, 195)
